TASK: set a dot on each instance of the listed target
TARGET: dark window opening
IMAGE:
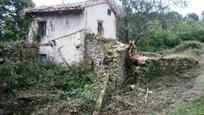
(42, 28)
(43, 59)
(100, 27)
(109, 12)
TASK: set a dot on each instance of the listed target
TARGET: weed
(194, 108)
(153, 70)
(22, 73)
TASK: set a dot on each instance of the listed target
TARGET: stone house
(61, 29)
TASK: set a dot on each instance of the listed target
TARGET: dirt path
(166, 93)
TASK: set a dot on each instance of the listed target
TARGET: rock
(162, 66)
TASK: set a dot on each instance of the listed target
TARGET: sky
(194, 6)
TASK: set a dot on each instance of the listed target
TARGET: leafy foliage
(14, 22)
(23, 71)
(195, 108)
(193, 16)
(154, 27)
(143, 13)
(153, 70)
(157, 37)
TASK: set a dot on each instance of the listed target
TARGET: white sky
(196, 6)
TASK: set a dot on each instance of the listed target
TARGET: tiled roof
(64, 7)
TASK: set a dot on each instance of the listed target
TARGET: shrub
(22, 71)
(76, 78)
(156, 38)
(154, 70)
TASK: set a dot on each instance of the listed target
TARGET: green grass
(189, 49)
(195, 108)
(191, 53)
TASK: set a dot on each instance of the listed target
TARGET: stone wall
(154, 67)
(94, 52)
(108, 57)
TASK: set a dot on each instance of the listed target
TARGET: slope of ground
(180, 93)
(196, 107)
(52, 90)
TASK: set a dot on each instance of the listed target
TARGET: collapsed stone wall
(154, 67)
(109, 59)
(108, 56)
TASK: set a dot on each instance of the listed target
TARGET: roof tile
(64, 7)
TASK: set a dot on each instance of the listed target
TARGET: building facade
(61, 29)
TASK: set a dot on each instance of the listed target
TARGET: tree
(193, 16)
(14, 24)
(143, 13)
(173, 17)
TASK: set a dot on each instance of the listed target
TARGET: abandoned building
(62, 28)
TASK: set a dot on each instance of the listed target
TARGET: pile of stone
(109, 58)
(154, 67)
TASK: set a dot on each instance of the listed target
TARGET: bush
(158, 39)
(77, 78)
(190, 29)
(22, 74)
(21, 71)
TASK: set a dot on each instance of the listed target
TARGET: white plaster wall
(58, 25)
(61, 25)
(99, 12)
(70, 48)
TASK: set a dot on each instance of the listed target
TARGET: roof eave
(70, 11)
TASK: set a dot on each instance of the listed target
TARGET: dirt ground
(165, 93)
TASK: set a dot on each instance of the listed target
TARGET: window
(100, 27)
(43, 59)
(109, 12)
(42, 28)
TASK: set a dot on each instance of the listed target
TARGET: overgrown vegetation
(158, 38)
(153, 70)
(194, 108)
(14, 24)
(26, 87)
(155, 27)
(22, 72)
(188, 49)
